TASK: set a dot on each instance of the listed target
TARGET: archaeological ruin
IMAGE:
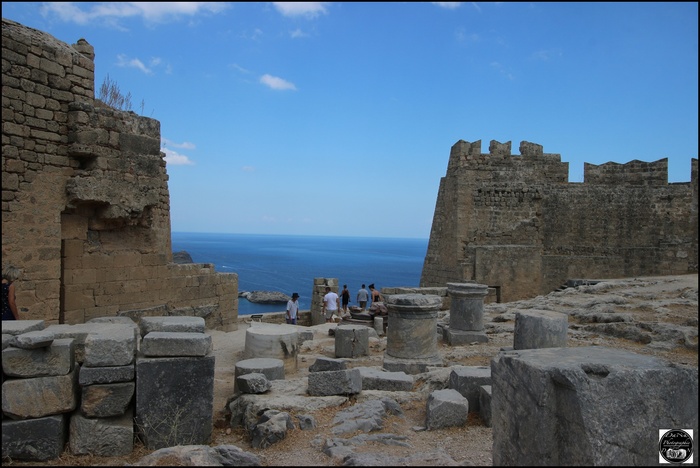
(85, 201)
(516, 224)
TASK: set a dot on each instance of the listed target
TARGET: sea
(289, 263)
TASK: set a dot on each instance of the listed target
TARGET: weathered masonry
(515, 222)
(85, 200)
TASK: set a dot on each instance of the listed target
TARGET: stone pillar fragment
(540, 329)
(411, 344)
(466, 314)
(351, 341)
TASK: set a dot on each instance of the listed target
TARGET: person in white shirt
(293, 309)
(331, 304)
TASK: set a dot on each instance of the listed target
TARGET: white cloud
(176, 159)
(277, 83)
(297, 33)
(150, 11)
(448, 5)
(239, 68)
(307, 9)
(124, 61)
(248, 169)
(183, 145)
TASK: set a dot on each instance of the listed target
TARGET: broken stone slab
(366, 417)
(172, 324)
(587, 406)
(272, 427)
(170, 344)
(467, 380)
(112, 346)
(36, 439)
(18, 327)
(322, 364)
(375, 379)
(200, 455)
(342, 382)
(57, 359)
(253, 383)
(446, 408)
(36, 339)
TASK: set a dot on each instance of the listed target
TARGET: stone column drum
(466, 314)
(411, 344)
(264, 340)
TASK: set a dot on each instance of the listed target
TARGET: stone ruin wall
(514, 221)
(85, 200)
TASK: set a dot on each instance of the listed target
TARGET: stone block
(172, 324)
(587, 406)
(104, 375)
(373, 379)
(351, 341)
(17, 327)
(166, 344)
(485, 404)
(327, 364)
(57, 359)
(467, 380)
(253, 383)
(40, 396)
(272, 369)
(38, 439)
(33, 340)
(103, 437)
(115, 347)
(106, 400)
(540, 329)
(446, 408)
(342, 382)
(174, 400)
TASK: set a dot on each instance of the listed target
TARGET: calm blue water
(290, 263)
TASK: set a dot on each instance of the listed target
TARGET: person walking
(331, 304)
(10, 274)
(362, 297)
(345, 298)
(293, 309)
(376, 297)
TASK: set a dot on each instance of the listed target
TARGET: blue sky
(337, 118)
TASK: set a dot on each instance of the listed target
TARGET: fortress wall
(514, 221)
(85, 200)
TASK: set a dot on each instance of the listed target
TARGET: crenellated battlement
(515, 221)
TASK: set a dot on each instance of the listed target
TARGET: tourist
(331, 304)
(376, 297)
(293, 309)
(345, 298)
(362, 297)
(10, 274)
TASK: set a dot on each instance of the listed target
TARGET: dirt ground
(662, 314)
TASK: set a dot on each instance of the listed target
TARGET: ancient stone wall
(85, 200)
(516, 223)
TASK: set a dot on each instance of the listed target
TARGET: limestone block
(351, 341)
(253, 383)
(103, 437)
(373, 379)
(540, 329)
(103, 375)
(172, 324)
(342, 382)
(17, 327)
(446, 408)
(591, 406)
(326, 364)
(467, 380)
(163, 344)
(33, 340)
(38, 439)
(174, 400)
(57, 359)
(272, 369)
(106, 400)
(485, 404)
(40, 396)
(113, 347)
